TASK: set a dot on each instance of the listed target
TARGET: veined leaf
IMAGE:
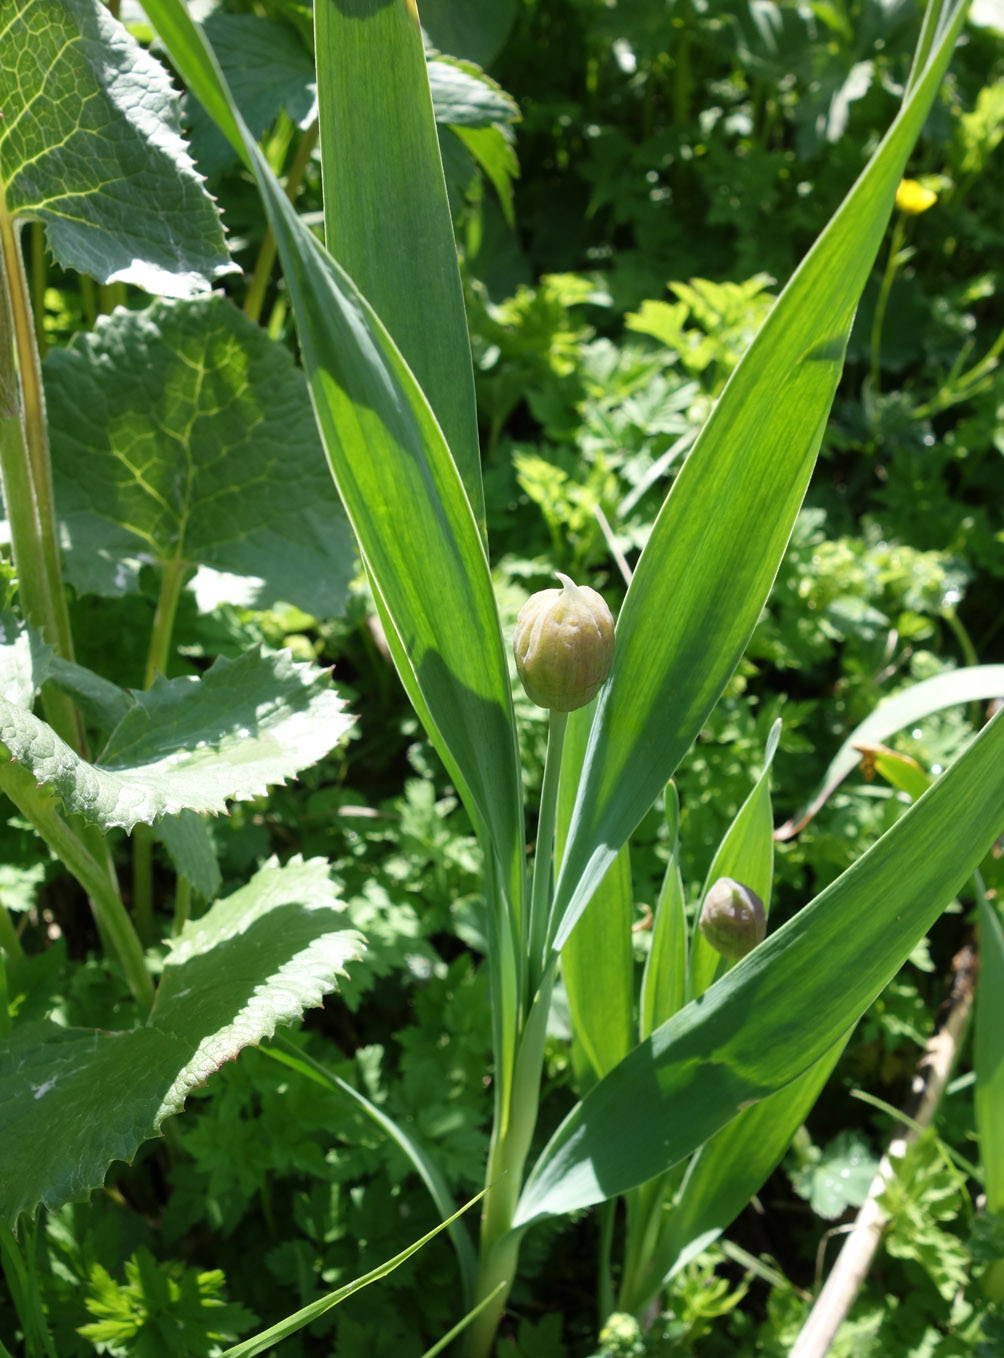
(189, 844)
(90, 144)
(182, 433)
(708, 566)
(257, 959)
(190, 744)
(404, 497)
(784, 1005)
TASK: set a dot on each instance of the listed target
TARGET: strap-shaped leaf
(784, 1005)
(183, 433)
(715, 548)
(190, 744)
(988, 1052)
(974, 683)
(401, 489)
(90, 144)
(386, 214)
(257, 959)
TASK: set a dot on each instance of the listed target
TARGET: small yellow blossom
(912, 198)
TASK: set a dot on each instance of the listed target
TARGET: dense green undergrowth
(622, 236)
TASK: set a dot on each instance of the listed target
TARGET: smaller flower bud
(913, 198)
(733, 919)
(564, 645)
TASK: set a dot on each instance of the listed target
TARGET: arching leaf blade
(783, 1006)
(709, 564)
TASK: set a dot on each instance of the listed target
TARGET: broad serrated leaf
(191, 743)
(184, 433)
(475, 31)
(255, 960)
(464, 96)
(90, 145)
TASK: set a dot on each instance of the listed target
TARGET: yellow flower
(912, 198)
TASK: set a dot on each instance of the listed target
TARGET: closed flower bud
(913, 198)
(564, 644)
(733, 919)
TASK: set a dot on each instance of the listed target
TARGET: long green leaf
(597, 962)
(988, 1053)
(708, 566)
(386, 213)
(783, 1006)
(735, 1164)
(400, 487)
(283, 1051)
(975, 683)
(664, 981)
(258, 1343)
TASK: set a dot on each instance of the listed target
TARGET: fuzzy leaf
(190, 743)
(255, 960)
(90, 144)
(183, 433)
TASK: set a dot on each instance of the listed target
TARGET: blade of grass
(248, 1348)
(282, 1050)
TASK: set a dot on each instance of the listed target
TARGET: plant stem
(543, 860)
(266, 255)
(885, 287)
(9, 940)
(171, 581)
(182, 905)
(20, 1275)
(38, 285)
(91, 869)
(27, 478)
(4, 995)
(499, 1252)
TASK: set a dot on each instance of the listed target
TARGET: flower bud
(733, 919)
(913, 198)
(564, 644)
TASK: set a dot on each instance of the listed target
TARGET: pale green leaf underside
(90, 145)
(780, 1008)
(184, 433)
(463, 96)
(74, 1100)
(190, 744)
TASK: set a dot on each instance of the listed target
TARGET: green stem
(543, 860)
(27, 476)
(20, 1275)
(499, 1252)
(9, 940)
(182, 905)
(171, 582)
(604, 1290)
(266, 255)
(89, 866)
(38, 285)
(4, 994)
(885, 287)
